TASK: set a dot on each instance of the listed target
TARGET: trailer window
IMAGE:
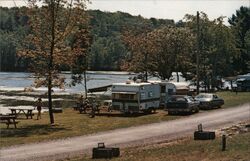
(150, 94)
(143, 95)
(124, 96)
(170, 91)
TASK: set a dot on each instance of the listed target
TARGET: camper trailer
(167, 90)
(243, 82)
(131, 97)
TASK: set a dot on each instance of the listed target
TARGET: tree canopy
(47, 45)
(120, 41)
(240, 25)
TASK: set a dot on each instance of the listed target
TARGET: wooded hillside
(107, 48)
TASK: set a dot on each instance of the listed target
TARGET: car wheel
(148, 111)
(170, 113)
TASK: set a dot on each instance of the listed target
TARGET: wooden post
(223, 142)
(200, 127)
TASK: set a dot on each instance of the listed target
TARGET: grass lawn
(188, 150)
(71, 123)
(233, 99)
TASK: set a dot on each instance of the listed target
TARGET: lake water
(12, 81)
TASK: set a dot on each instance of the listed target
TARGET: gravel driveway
(150, 133)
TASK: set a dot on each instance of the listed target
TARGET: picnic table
(8, 119)
(17, 111)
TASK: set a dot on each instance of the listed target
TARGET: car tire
(170, 113)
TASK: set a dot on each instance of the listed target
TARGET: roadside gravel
(133, 136)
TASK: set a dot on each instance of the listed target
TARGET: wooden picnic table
(8, 119)
(27, 112)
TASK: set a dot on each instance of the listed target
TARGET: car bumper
(205, 105)
(179, 110)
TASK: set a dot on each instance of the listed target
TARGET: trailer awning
(124, 92)
(241, 79)
(99, 89)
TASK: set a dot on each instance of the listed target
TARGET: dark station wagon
(182, 103)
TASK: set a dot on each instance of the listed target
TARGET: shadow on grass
(30, 130)
(210, 108)
(110, 114)
(181, 114)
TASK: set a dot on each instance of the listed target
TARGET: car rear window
(178, 99)
(204, 96)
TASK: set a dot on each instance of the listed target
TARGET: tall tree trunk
(146, 61)
(0, 61)
(85, 84)
(51, 62)
(177, 76)
(198, 55)
(50, 100)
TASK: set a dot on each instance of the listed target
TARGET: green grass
(233, 99)
(71, 123)
(187, 150)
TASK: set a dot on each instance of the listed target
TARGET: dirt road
(128, 136)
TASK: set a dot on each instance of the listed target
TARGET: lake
(13, 81)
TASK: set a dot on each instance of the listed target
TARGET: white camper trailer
(133, 97)
(167, 90)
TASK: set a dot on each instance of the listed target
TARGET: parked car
(182, 103)
(209, 100)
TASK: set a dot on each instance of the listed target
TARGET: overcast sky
(166, 9)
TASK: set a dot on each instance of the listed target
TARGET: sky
(166, 9)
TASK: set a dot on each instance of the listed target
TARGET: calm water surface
(12, 81)
(18, 81)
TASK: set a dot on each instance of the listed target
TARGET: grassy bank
(71, 123)
(188, 150)
(233, 99)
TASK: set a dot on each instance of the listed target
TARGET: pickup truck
(182, 103)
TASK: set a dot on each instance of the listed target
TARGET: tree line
(197, 47)
(106, 52)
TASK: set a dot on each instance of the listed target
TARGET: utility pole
(0, 61)
(198, 55)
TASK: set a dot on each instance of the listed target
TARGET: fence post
(200, 128)
(223, 142)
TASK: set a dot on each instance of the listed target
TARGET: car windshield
(190, 99)
(178, 99)
(204, 96)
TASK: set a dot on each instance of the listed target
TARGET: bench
(8, 120)
(27, 112)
